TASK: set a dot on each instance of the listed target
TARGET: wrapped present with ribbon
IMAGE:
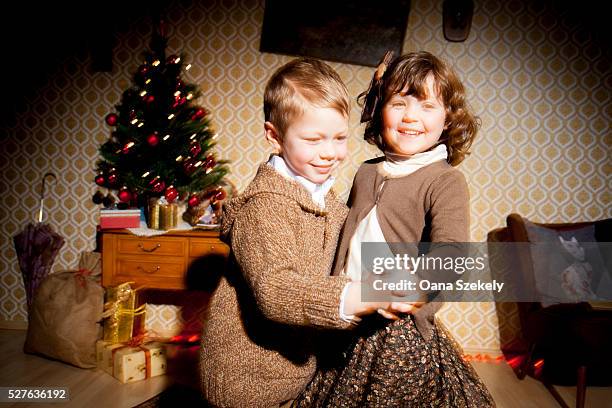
(131, 361)
(119, 313)
(162, 215)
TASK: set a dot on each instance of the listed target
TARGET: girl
(416, 113)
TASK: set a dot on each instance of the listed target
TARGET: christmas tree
(161, 142)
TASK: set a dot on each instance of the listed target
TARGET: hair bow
(372, 95)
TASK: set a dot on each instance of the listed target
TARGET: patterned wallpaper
(539, 80)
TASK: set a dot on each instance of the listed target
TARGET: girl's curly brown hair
(408, 73)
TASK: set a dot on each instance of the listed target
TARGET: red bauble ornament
(195, 149)
(171, 194)
(149, 98)
(189, 166)
(111, 119)
(100, 180)
(220, 195)
(143, 70)
(198, 114)
(210, 162)
(193, 201)
(112, 179)
(124, 195)
(157, 185)
(153, 139)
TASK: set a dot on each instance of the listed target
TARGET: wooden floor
(87, 387)
(510, 392)
(94, 388)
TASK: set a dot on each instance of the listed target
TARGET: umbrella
(37, 246)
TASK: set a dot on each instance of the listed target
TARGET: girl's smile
(412, 125)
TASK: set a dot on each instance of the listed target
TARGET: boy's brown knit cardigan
(256, 343)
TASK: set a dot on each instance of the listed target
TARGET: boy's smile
(314, 143)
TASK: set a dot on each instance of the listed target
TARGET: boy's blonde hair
(302, 82)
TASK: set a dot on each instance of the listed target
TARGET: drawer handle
(150, 249)
(152, 270)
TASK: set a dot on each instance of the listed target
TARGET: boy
(283, 231)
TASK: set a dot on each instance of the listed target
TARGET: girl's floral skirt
(391, 365)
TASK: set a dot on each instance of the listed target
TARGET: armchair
(574, 340)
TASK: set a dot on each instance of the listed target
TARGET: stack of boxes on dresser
(112, 218)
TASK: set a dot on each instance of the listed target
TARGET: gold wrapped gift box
(162, 216)
(119, 313)
(131, 363)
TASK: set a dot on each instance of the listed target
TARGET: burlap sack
(64, 320)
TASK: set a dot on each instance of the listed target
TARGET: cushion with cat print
(568, 265)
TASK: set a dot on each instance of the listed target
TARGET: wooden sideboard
(159, 262)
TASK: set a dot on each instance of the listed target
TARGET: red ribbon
(80, 275)
(135, 342)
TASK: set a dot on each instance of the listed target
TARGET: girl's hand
(354, 306)
(396, 308)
